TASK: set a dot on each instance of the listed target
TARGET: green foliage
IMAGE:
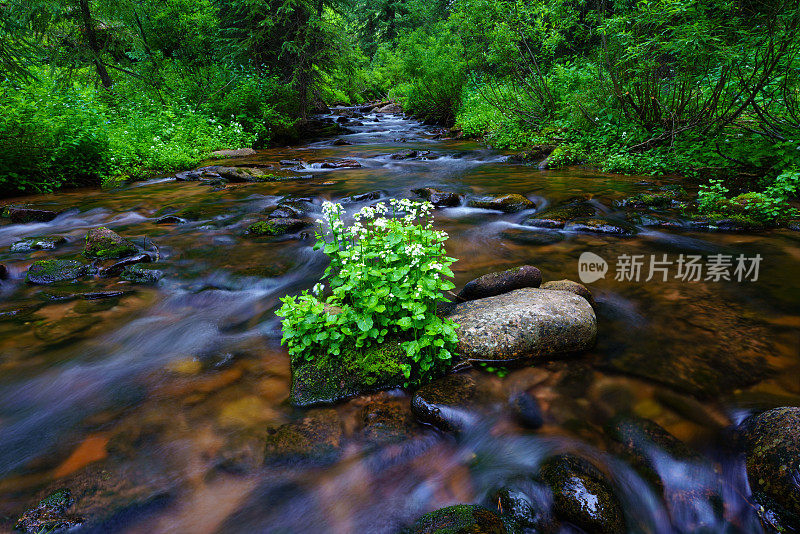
(386, 275)
(770, 206)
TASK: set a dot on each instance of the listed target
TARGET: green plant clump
(387, 272)
(770, 206)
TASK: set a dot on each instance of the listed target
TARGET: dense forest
(100, 91)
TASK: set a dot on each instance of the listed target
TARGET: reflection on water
(153, 405)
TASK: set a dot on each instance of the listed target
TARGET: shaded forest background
(98, 91)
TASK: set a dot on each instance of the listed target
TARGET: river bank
(154, 403)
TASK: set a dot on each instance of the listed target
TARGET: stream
(152, 403)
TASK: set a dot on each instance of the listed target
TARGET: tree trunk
(91, 38)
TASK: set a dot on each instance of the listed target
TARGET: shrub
(770, 206)
(387, 272)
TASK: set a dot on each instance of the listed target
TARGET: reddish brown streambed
(152, 406)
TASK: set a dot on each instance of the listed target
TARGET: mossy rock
(721, 222)
(38, 243)
(142, 274)
(102, 243)
(771, 442)
(355, 371)
(582, 495)
(276, 227)
(52, 271)
(666, 198)
(571, 286)
(50, 515)
(315, 439)
(510, 203)
(459, 519)
(558, 216)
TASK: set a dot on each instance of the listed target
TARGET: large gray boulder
(524, 324)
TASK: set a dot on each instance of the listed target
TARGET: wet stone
(459, 519)
(341, 164)
(52, 271)
(526, 409)
(341, 142)
(171, 219)
(3, 272)
(20, 215)
(572, 287)
(446, 403)
(524, 324)
(507, 203)
(437, 197)
(558, 216)
(315, 439)
(231, 174)
(411, 154)
(582, 495)
(600, 226)
(386, 421)
(641, 441)
(285, 211)
(50, 515)
(38, 243)
(771, 442)
(520, 511)
(363, 197)
(276, 227)
(102, 243)
(498, 283)
(141, 274)
(118, 266)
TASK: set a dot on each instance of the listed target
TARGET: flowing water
(142, 402)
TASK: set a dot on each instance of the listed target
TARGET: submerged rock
(527, 410)
(524, 236)
(600, 226)
(141, 274)
(437, 197)
(315, 439)
(52, 271)
(558, 216)
(102, 243)
(353, 372)
(582, 495)
(508, 203)
(771, 443)
(50, 515)
(446, 403)
(498, 283)
(525, 323)
(386, 421)
(276, 227)
(459, 519)
(286, 211)
(411, 154)
(171, 219)
(643, 443)
(20, 215)
(572, 287)
(38, 243)
(65, 328)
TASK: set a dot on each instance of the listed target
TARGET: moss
(328, 378)
(102, 243)
(264, 228)
(51, 271)
(459, 519)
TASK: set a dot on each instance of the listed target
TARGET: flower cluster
(388, 269)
